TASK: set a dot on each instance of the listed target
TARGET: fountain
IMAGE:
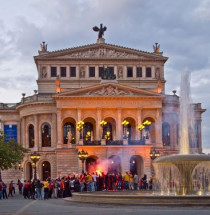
(180, 174)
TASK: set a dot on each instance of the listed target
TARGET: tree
(11, 153)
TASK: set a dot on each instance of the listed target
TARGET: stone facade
(70, 89)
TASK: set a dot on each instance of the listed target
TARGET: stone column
(23, 127)
(158, 128)
(115, 71)
(98, 127)
(59, 71)
(18, 131)
(134, 71)
(153, 71)
(139, 121)
(97, 72)
(199, 136)
(48, 71)
(36, 133)
(77, 72)
(124, 72)
(59, 136)
(79, 117)
(119, 135)
(143, 71)
(53, 133)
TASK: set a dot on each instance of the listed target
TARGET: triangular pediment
(108, 89)
(100, 51)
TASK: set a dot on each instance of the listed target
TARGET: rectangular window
(101, 70)
(53, 71)
(111, 70)
(63, 71)
(148, 72)
(129, 72)
(139, 72)
(72, 71)
(91, 72)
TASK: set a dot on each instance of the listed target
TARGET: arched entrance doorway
(29, 171)
(114, 164)
(136, 165)
(91, 164)
(46, 170)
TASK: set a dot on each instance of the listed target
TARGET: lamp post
(82, 155)
(35, 158)
(153, 155)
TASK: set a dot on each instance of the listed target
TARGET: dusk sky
(181, 27)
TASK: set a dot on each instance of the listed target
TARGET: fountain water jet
(184, 163)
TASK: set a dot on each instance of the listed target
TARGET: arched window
(31, 136)
(166, 134)
(88, 132)
(108, 132)
(69, 133)
(46, 135)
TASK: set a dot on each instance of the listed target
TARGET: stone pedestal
(80, 142)
(125, 141)
(103, 142)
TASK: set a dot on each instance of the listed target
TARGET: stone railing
(8, 106)
(36, 97)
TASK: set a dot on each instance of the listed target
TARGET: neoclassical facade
(95, 83)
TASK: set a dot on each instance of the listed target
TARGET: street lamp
(82, 156)
(154, 154)
(35, 158)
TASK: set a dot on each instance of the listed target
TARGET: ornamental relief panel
(102, 53)
(109, 91)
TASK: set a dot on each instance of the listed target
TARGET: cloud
(182, 32)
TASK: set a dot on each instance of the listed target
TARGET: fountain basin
(138, 198)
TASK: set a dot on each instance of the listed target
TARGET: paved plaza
(20, 206)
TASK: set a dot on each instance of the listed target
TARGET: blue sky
(181, 27)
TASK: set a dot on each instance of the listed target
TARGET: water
(186, 115)
(184, 173)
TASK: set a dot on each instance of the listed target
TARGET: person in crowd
(4, 190)
(39, 186)
(89, 181)
(119, 181)
(51, 186)
(46, 190)
(26, 189)
(131, 183)
(20, 186)
(94, 184)
(55, 188)
(32, 189)
(82, 181)
(1, 188)
(76, 185)
(10, 189)
(126, 181)
(62, 187)
(135, 181)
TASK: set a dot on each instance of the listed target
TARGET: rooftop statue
(100, 30)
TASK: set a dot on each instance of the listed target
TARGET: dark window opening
(101, 70)
(63, 71)
(53, 71)
(139, 72)
(31, 136)
(148, 72)
(91, 72)
(129, 72)
(73, 71)
(46, 135)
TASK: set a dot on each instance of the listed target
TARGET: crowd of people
(63, 187)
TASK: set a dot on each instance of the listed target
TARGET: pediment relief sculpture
(109, 91)
(102, 52)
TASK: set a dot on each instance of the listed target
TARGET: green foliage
(11, 153)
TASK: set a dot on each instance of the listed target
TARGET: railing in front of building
(114, 142)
